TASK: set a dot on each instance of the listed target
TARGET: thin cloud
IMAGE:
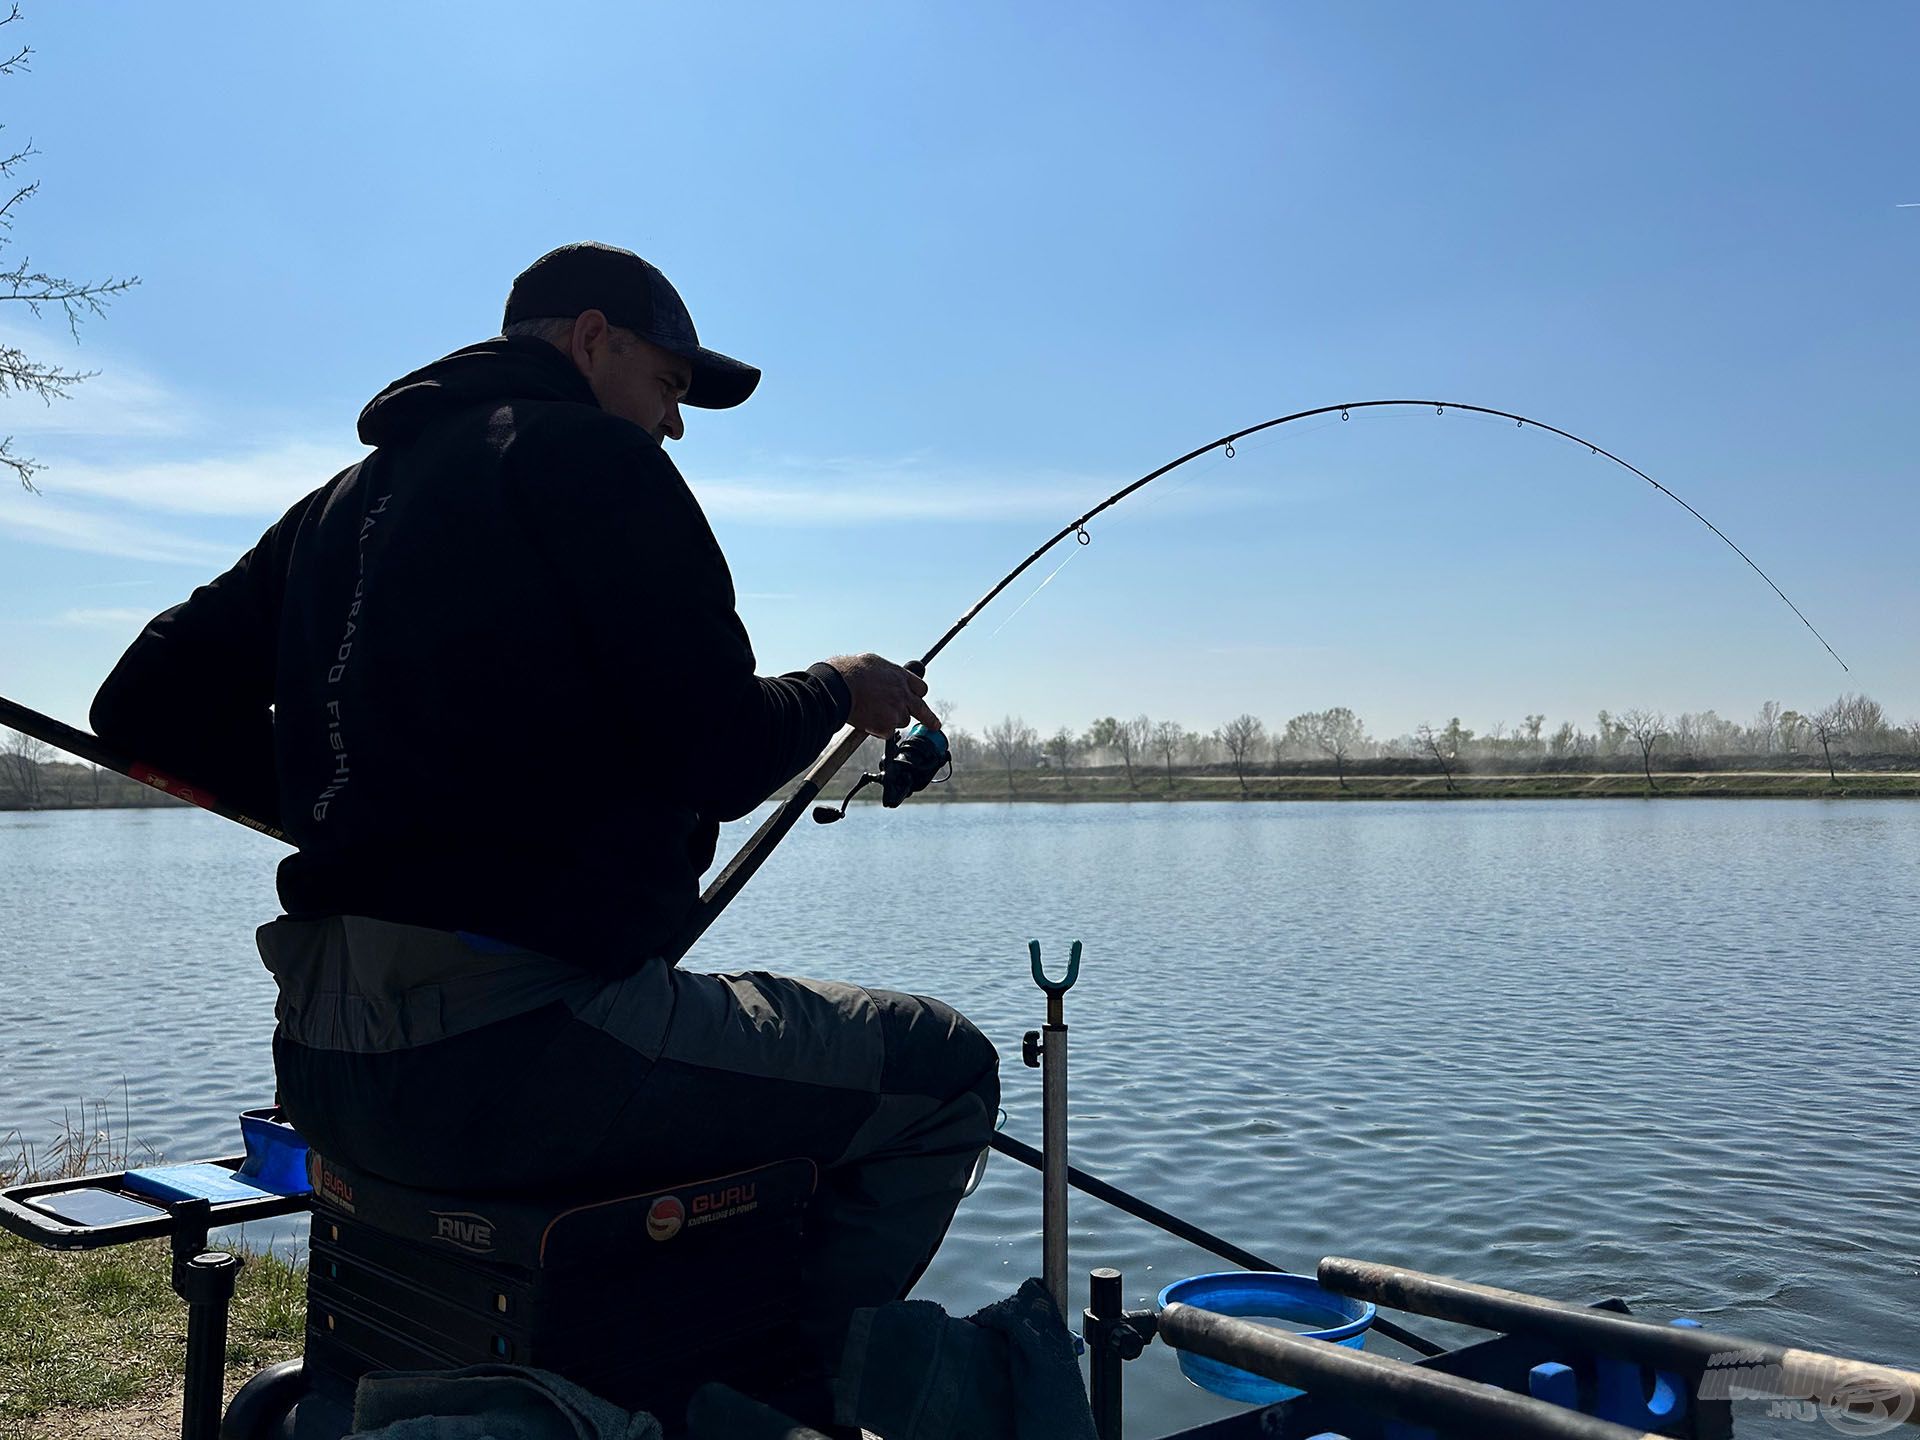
(873, 491)
(45, 521)
(1296, 652)
(107, 618)
(120, 400)
(261, 485)
(775, 503)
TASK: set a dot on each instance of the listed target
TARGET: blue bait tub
(1266, 1294)
(276, 1155)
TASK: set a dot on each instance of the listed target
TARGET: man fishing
(472, 990)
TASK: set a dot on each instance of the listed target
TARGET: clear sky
(998, 259)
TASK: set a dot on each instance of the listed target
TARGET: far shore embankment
(1665, 785)
(1377, 781)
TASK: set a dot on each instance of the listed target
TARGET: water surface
(1654, 1050)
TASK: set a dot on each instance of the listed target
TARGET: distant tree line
(35, 776)
(1149, 752)
(1853, 732)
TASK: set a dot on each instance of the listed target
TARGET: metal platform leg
(204, 1279)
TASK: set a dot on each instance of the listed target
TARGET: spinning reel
(913, 761)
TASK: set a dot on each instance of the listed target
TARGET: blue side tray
(201, 1181)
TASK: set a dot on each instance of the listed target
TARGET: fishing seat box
(637, 1297)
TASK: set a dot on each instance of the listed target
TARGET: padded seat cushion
(574, 1228)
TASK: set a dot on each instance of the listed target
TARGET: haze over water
(1652, 1050)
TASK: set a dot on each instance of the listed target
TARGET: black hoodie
(509, 693)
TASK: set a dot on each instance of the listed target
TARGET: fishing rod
(774, 828)
(92, 748)
(913, 760)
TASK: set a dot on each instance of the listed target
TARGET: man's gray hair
(556, 330)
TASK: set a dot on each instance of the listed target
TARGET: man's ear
(591, 335)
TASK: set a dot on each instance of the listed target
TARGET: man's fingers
(886, 696)
(917, 707)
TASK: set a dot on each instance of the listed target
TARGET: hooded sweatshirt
(490, 679)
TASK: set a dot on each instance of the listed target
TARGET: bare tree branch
(1442, 750)
(34, 288)
(1014, 741)
(1647, 728)
(1242, 735)
(18, 61)
(1828, 726)
(1167, 739)
(21, 760)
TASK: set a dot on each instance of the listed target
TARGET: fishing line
(1035, 591)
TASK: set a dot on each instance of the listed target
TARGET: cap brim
(719, 381)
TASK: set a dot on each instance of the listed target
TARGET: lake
(1659, 1050)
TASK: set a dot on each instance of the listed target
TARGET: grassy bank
(1214, 783)
(94, 1344)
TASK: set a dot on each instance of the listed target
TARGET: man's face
(632, 378)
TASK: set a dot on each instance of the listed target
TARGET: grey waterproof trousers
(453, 1062)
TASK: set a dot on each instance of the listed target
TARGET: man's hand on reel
(886, 696)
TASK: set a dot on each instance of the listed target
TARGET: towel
(913, 1372)
(489, 1402)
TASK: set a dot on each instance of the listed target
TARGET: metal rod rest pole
(1053, 1107)
(1185, 1230)
(204, 1278)
(1406, 1392)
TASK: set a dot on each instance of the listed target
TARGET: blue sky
(997, 260)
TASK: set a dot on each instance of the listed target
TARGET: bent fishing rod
(774, 828)
(753, 854)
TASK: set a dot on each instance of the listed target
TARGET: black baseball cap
(635, 296)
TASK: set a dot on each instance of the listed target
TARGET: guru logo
(464, 1230)
(727, 1199)
(665, 1217)
(334, 1186)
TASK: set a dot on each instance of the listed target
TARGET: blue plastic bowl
(1255, 1294)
